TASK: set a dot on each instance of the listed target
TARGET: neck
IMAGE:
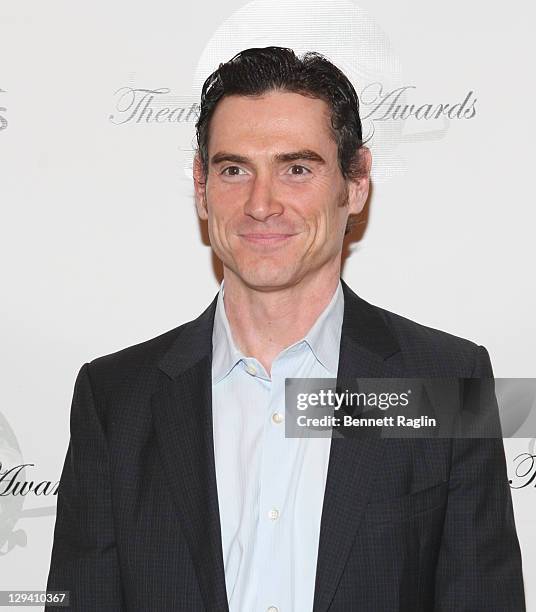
(263, 323)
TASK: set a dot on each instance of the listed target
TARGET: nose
(262, 201)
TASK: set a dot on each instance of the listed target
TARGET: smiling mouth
(266, 239)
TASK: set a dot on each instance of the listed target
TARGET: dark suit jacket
(413, 525)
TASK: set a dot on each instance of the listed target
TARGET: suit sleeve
(84, 556)
(479, 564)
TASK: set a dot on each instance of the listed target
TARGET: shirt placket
(274, 521)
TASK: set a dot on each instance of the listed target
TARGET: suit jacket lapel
(366, 346)
(182, 413)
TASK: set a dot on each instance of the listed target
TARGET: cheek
(226, 200)
(330, 215)
(322, 196)
(222, 218)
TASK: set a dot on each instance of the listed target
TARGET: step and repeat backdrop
(101, 247)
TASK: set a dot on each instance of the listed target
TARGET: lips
(266, 238)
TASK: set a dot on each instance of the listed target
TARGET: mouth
(268, 239)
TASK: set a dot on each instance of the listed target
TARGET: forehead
(271, 122)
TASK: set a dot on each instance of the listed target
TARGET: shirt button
(251, 370)
(274, 514)
(272, 609)
(277, 417)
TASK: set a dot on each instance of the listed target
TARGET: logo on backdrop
(140, 105)
(524, 466)
(15, 489)
(3, 111)
(395, 109)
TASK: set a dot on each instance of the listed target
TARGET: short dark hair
(256, 71)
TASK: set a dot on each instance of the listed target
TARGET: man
(180, 490)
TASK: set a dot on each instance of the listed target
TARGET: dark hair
(255, 71)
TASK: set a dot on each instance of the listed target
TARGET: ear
(200, 188)
(358, 185)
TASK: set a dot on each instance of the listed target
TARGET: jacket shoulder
(132, 367)
(442, 351)
(149, 353)
(144, 352)
(408, 330)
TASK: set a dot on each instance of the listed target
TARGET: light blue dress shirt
(270, 488)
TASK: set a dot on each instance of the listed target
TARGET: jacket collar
(363, 326)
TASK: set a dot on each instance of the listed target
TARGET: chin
(268, 279)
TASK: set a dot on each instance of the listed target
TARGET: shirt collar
(323, 338)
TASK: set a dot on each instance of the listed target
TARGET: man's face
(274, 194)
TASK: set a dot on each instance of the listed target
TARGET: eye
(299, 170)
(232, 171)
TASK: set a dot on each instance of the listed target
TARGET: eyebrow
(305, 154)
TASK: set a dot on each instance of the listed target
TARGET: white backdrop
(98, 214)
